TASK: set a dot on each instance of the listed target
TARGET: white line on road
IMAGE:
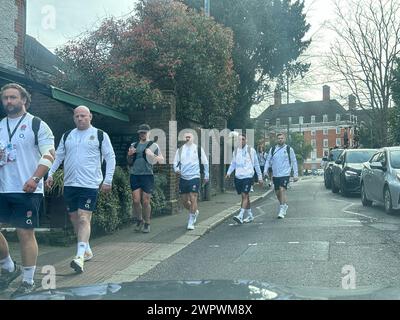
(355, 213)
(293, 242)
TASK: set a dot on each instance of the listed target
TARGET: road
(323, 235)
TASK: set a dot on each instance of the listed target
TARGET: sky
(54, 22)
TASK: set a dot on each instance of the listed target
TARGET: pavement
(126, 255)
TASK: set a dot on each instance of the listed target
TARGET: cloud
(53, 22)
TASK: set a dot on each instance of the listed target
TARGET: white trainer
(195, 216)
(88, 255)
(238, 219)
(281, 214)
(285, 209)
(248, 219)
(190, 225)
(77, 264)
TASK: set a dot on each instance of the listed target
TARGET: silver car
(380, 179)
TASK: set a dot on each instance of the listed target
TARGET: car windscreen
(395, 159)
(335, 154)
(359, 156)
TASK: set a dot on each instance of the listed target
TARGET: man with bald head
(82, 150)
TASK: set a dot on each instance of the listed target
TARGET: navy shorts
(188, 186)
(20, 210)
(80, 198)
(243, 185)
(145, 182)
(280, 182)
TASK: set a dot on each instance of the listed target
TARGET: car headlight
(350, 173)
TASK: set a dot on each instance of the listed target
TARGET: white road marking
(345, 210)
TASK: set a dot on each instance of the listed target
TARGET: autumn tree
(163, 46)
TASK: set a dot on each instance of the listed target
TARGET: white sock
(249, 212)
(81, 249)
(7, 264)
(241, 213)
(88, 247)
(28, 273)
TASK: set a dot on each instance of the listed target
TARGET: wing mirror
(338, 161)
(377, 165)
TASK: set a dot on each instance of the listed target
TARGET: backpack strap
(251, 158)
(180, 157)
(199, 157)
(65, 136)
(100, 137)
(144, 151)
(35, 128)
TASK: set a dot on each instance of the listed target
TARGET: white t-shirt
(81, 156)
(244, 164)
(14, 174)
(189, 162)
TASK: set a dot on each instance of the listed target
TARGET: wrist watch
(36, 179)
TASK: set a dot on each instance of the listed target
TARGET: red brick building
(324, 124)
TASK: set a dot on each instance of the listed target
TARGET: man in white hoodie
(187, 165)
(244, 161)
(282, 159)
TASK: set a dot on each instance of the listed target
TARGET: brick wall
(20, 29)
(9, 39)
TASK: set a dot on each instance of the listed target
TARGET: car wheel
(343, 190)
(334, 188)
(387, 198)
(328, 182)
(364, 200)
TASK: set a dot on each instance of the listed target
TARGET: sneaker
(251, 189)
(6, 277)
(191, 221)
(281, 214)
(238, 219)
(195, 216)
(139, 225)
(285, 210)
(248, 219)
(146, 228)
(77, 264)
(24, 288)
(88, 255)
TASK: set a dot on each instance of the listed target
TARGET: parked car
(346, 170)
(380, 179)
(333, 156)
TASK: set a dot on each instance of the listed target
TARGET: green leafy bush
(107, 217)
(158, 199)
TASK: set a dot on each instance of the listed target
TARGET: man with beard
(26, 156)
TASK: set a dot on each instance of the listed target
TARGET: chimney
(277, 98)
(326, 93)
(352, 102)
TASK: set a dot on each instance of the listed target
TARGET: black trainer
(6, 277)
(24, 288)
